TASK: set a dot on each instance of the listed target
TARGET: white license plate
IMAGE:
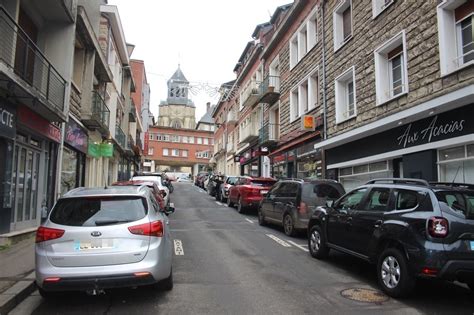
(472, 245)
(93, 245)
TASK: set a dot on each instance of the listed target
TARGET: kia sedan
(96, 239)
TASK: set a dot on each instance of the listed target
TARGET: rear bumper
(102, 282)
(252, 202)
(459, 270)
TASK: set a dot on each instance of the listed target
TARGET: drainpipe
(325, 128)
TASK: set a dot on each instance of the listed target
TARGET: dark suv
(409, 228)
(291, 202)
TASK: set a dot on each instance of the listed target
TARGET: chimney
(208, 107)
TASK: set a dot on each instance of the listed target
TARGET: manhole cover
(364, 295)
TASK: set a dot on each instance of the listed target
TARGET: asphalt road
(228, 264)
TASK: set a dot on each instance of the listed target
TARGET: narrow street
(228, 264)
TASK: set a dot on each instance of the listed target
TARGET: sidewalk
(16, 274)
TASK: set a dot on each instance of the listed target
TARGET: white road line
(220, 204)
(178, 248)
(248, 220)
(278, 240)
(299, 246)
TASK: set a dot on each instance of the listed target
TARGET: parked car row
(408, 228)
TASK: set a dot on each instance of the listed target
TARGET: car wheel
(393, 275)
(240, 207)
(229, 203)
(288, 225)
(261, 217)
(317, 243)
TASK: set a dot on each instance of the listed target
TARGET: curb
(16, 294)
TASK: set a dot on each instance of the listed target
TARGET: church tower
(178, 111)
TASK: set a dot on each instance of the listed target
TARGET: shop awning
(295, 142)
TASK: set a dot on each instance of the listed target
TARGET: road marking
(299, 246)
(248, 220)
(278, 240)
(178, 248)
(220, 204)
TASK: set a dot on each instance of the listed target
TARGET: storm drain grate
(364, 295)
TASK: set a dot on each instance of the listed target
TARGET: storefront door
(26, 166)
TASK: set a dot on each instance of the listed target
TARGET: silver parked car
(100, 238)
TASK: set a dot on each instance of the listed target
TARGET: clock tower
(178, 111)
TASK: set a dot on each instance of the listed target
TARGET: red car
(152, 185)
(248, 192)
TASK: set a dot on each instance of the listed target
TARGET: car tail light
(142, 274)
(52, 279)
(44, 234)
(438, 227)
(163, 192)
(302, 208)
(151, 229)
(429, 271)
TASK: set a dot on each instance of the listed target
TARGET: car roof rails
(457, 185)
(412, 181)
(292, 178)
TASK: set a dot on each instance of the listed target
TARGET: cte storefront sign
(7, 121)
(39, 124)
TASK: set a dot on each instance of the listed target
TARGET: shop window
(342, 18)
(345, 90)
(456, 164)
(391, 79)
(456, 39)
(354, 176)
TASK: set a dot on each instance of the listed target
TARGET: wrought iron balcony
(269, 134)
(27, 73)
(250, 94)
(99, 116)
(120, 137)
(269, 90)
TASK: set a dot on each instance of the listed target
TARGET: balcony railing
(100, 115)
(22, 55)
(270, 90)
(232, 116)
(250, 94)
(269, 134)
(133, 113)
(248, 133)
(139, 143)
(120, 137)
(219, 149)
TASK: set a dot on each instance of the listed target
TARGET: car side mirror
(169, 209)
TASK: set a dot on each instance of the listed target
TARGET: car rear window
(459, 202)
(153, 178)
(318, 194)
(98, 211)
(262, 183)
(232, 180)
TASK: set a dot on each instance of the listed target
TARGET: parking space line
(278, 240)
(248, 220)
(178, 248)
(299, 246)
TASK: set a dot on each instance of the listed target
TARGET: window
(354, 176)
(184, 139)
(406, 199)
(456, 40)
(159, 137)
(176, 124)
(175, 152)
(351, 201)
(342, 17)
(391, 76)
(151, 150)
(206, 141)
(304, 97)
(199, 140)
(294, 105)
(191, 139)
(151, 136)
(304, 39)
(378, 199)
(175, 138)
(345, 96)
(202, 154)
(165, 152)
(184, 153)
(456, 164)
(166, 137)
(378, 6)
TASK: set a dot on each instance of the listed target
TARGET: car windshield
(262, 183)
(94, 211)
(148, 178)
(459, 202)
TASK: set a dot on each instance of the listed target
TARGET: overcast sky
(206, 37)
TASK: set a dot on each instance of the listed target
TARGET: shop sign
(7, 121)
(76, 136)
(39, 124)
(454, 123)
(279, 158)
(308, 123)
(98, 150)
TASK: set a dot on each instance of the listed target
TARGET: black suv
(291, 202)
(408, 227)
